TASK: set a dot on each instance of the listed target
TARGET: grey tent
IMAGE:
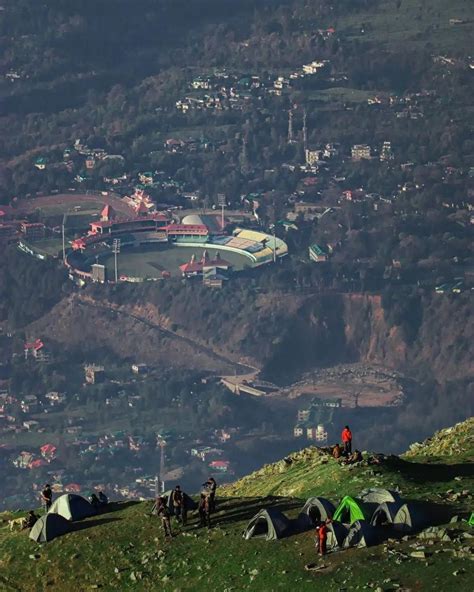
(49, 527)
(72, 507)
(385, 514)
(269, 524)
(411, 517)
(379, 496)
(318, 509)
(362, 534)
(336, 535)
(189, 503)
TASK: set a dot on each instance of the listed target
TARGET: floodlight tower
(162, 464)
(221, 201)
(305, 132)
(116, 251)
(63, 235)
(290, 126)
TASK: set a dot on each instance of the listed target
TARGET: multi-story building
(361, 152)
(32, 230)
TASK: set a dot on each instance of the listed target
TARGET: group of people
(344, 453)
(177, 502)
(98, 501)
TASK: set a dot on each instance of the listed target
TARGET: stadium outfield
(252, 248)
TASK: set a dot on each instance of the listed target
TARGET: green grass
(152, 262)
(108, 549)
(414, 25)
(341, 94)
(86, 208)
(50, 247)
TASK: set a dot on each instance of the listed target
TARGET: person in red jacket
(322, 533)
(347, 440)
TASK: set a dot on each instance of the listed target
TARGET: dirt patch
(356, 385)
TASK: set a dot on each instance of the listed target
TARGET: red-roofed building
(220, 465)
(36, 464)
(107, 214)
(48, 452)
(36, 349)
(194, 268)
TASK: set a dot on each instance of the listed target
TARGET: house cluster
(229, 91)
(23, 413)
(212, 456)
(35, 459)
(78, 156)
(187, 146)
(312, 421)
(110, 444)
(37, 350)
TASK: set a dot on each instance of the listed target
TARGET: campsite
(138, 557)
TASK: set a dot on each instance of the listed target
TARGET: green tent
(471, 520)
(351, 509)
(49, 527)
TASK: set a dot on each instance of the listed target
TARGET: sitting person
(103, 499)
(30, 520)
(337, 451)
(353, 458)
(94, 500)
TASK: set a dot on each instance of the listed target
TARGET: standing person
(323, 537)
(47, 497)
(205, 510)
(212, 486)
(177, 499)
(347, 440)
(163, 512)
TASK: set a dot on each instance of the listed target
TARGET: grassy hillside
(124, 549)
(426, 471)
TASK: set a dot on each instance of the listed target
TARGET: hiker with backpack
(179, 506)
(163, 512)
(211, 486)
(205, 510)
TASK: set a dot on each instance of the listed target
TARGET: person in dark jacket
(205, 510)
(103, 499)
(211, 485)
(47, 497)
(179, 506)
(163, 512)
